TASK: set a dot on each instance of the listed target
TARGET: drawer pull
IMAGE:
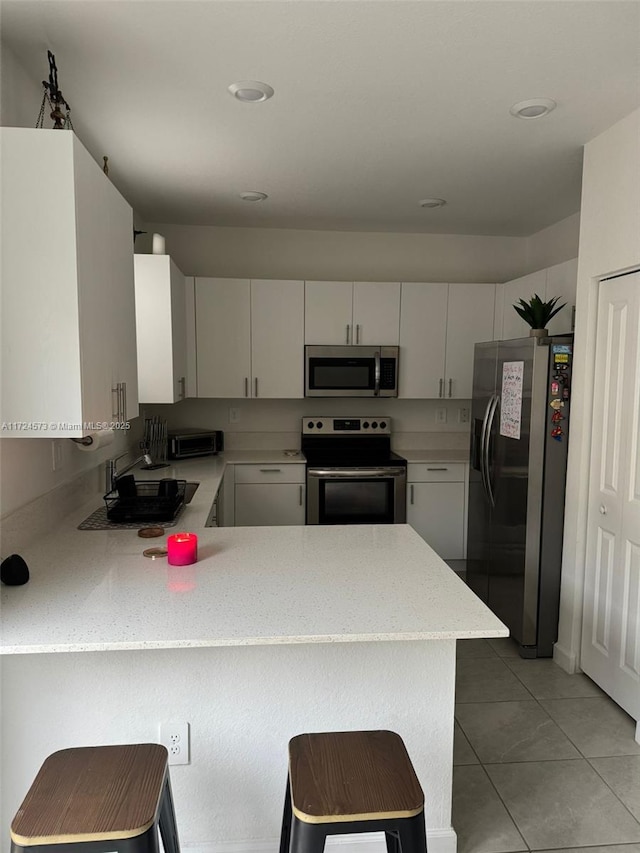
(437, 469)
(271, 470)
(411, 493)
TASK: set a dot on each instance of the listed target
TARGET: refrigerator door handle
(481, 455)
(491, 413)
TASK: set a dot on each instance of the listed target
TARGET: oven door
(356, 495)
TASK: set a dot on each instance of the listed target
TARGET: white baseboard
(566, 659)
(438, 841)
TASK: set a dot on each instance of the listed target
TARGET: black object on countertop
(153, 501)
(126, 486)
(14, 571)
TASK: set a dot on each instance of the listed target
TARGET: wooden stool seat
(351, 782)
(344, 776)
(86, 796)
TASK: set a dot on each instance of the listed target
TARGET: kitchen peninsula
(274, 631)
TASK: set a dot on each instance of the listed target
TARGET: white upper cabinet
(470, 309)
(161, 329)
(439, 326)
(346, 312)
(68, 302)
(223, 335)
(559, 280)
(376, 313)
(562, 280)
(328, 312)
(249, 335)
(423, 336)
(277, 338)
(513, 326)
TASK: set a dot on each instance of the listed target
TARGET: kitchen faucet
(112, 472)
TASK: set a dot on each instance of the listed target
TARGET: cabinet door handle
(256, 384)
(182, 383)
(451, 387)
(437, 469)
(440, 387)
(271, 470)
(115, 391)
(411, 494)
(246, 386)
(358, 333)
(347, 334)
(123, 386)
(301, 494)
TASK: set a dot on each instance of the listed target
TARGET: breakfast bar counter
(273, 632)
(250, 586)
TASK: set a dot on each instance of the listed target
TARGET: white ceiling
(378, 104)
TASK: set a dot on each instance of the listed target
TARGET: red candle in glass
(182, 549)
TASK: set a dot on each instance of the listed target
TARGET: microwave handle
(376, 388)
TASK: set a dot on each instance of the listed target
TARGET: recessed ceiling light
(432, 202)
(533, 108)
(251, 91)
(253, 196)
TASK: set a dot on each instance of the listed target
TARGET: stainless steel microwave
(351, 371)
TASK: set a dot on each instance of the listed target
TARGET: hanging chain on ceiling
(53, 96)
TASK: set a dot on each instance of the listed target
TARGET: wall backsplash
(276, 423)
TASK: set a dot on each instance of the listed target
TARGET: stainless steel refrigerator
(519, 434)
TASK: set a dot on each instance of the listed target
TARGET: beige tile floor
(543, 760)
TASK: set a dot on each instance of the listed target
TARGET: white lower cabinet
(436, 506)
(269, 495)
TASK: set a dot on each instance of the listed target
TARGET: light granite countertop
(95, 591)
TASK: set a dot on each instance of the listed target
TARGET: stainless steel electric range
(353, 476)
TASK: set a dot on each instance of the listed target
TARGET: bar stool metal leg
(412, 834)
(167, 821)
(307, 837)
(285, 835)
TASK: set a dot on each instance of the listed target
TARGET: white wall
(337, 255)
(553, 245)
(609, 243)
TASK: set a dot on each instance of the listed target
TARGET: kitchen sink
(98, 520)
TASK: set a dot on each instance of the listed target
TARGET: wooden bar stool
(96, 799)
(342, 782)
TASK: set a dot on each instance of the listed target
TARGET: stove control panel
(324, 425)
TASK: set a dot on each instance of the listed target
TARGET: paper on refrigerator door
(511, 402)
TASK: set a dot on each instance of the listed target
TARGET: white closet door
(611, 625)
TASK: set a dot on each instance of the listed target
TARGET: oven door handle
(332, 473)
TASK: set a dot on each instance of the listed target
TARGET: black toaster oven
(186, 443)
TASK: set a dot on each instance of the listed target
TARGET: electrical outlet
(441, 416)
(175, 736)
(463, 415)
(234, 416)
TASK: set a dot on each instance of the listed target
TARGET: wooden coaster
(150, 532)
(154, 553)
